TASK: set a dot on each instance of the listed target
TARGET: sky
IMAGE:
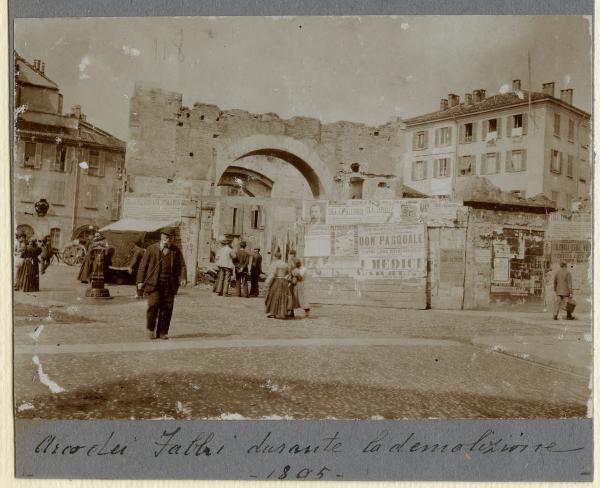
(360, 69)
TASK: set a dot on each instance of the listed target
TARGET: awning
(140, 225)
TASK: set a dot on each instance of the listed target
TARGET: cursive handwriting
(486, 443)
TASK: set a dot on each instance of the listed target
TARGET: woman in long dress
(28, 276)
(278, 302)
(298, 287)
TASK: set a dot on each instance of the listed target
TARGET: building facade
(75, 167)
(529, 143)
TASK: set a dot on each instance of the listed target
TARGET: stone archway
(288, 149)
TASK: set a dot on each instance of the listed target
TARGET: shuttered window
(516, 160)
(29, 157)
(60, 161)
(57, 193)
(557, 125)
(95, 163)
(419, 170)
(441, 168)
(569, 166)
(555, 161)
(90, 197)
(48, 156)
(490, 163)
(466, 166)
(571, 134)
(420, 140)
(25, 189)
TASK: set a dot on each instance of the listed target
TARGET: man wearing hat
(160, 274)
(563, 288)
(241, 271)
(225, 264)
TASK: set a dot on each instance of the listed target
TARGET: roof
(494, 102)
(139, 225)
(67, 128)
(26, 73)
(478, 189)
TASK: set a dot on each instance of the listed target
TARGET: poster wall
(392, 251)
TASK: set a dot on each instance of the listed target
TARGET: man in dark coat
(161, 273)
(46, 254)
(241, 271)
(563, 288)
(255, 271)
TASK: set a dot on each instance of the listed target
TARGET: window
(25, 189)
(90, 197)
(556, 161)
(571, 135)
(515, 160)
(420, 140)
(441, 168)
(490, 164)
(55, 237)
(60, 162)
(48, 154)
(57, 193)
(419, 170)
(554, 196)
(234, 220)
(517, 125)
(491, 130)
(94, 163)
(443, 136)
(29, 157)
(356, 188)
(466, 165)
(557, 125)
(569, 166)
(255, 218)
(468, 132)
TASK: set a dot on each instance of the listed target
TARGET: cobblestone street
(82, 358)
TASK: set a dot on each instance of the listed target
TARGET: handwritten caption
(293, 459)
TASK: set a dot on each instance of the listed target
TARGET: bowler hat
(168, 231)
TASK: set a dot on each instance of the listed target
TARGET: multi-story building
(529, 143)
(74, 166)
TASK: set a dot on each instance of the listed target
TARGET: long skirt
(299, 295)
(279, 298)
(28, 275)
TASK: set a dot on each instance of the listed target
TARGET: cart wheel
(74, 254)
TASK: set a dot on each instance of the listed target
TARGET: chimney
(444, 104)
(468, 99)
(35, 64)
(548, 88)
(76, 111)
(567, 96)
(482, 94)
(516, 85)
(453, 99)
(476, 96)
(42, 67)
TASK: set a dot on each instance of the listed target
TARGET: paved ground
(83, 358)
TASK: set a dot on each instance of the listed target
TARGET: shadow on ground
(185, 396)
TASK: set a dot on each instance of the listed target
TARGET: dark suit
(255, 271)
(161, 291)
(241, 272)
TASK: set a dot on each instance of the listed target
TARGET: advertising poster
(452, 266)
(347, 213)
(314, 211)
(392, 250)
(317, 240)
(344, 238)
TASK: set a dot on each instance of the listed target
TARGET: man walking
(225, 264)
(46, 255)
(160, 274)
(563, 288)
(241, 271)
(255, 266)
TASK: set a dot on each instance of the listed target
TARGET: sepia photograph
(302, 218)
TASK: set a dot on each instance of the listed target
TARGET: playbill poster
(312, 241)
